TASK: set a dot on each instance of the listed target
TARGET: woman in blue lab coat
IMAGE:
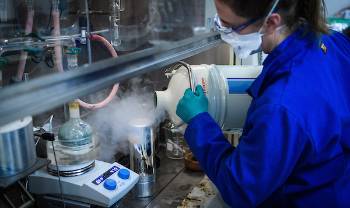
(295, 147)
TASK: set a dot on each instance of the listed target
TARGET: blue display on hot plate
(105, 175)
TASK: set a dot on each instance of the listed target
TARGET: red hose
(57, 33)
(115, 88)
(24, 55)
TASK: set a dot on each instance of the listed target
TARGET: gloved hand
(192, 104)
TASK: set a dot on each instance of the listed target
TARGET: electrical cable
(58, 174)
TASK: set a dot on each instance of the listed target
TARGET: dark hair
(293, 12)
(347, 32)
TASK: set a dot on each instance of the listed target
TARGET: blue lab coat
(295, 147)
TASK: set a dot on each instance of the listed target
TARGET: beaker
(174, 142)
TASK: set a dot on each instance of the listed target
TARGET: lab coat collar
(277, 61)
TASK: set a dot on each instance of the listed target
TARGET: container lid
(13, 126)
(140, 129)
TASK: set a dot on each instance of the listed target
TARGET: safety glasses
(222, 29)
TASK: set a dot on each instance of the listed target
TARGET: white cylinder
(17, 148)
(225, 86)
(141, 146)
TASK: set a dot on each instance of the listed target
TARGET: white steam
(111, 123)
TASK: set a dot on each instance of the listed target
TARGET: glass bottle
(72, 57)
(114, 22)
(75, 133)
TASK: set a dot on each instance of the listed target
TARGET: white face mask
(245, 45)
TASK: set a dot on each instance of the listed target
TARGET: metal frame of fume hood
(45, 93)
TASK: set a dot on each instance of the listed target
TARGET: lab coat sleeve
(248, 175)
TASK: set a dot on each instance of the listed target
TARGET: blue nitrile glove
(192, 104)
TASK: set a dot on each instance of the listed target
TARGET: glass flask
(174, 142)
(74, 152)
(75, 133)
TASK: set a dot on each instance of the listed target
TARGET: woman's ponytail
(294, 12)
(313, 13)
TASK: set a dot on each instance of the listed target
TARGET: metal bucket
(17, 148)
(141, 143)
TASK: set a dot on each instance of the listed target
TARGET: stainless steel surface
(173, 184)
(173, 194)
(141, 143)
(42, 94)
(17, 148)
(145, 187)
